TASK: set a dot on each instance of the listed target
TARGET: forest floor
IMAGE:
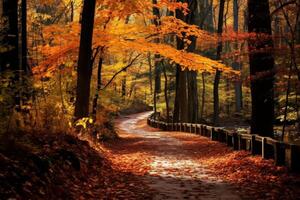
(178, 165)
(143, 163)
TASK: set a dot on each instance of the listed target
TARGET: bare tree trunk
(1, 8)
(166, 94)
(11, 58)
(84, 69)
(176, 103)
(99, 84)
(157, 71)
(124, 86)
(183, 96)
(72, 11)
(288, 89)
(203, 96)
(186, 90)
(150, 74)
(236, 65)
(262, 88)
(218, 73)
(25, 66)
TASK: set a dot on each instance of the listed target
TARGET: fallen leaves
(252, 175)
(97, 178)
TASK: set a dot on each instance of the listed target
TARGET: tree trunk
(193, 109)
(236, 65)
(209, 25)
(192, 97)
(218, 73)
(72, 12)
(193, 105)
(124, 86)
(261, 63)
(186, 98)
(298, 26)
(176, 103)
(11, 58)
(166, 94)
(25, 66)
(150, 73)
(203, 96)
(157, 70)
(183, 96)
(99, 83)
(1, 8)
(84, 69)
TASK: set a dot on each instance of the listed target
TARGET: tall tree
(236, 65)
(298, 27)
(218, 57)
(84, 68)
(157, 58)
(193, 111)
(11, 57)
(205, 22)
(186, 98)
(261, 69)
(25, 66)
(1, 8)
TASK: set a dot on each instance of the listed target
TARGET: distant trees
(261, 68)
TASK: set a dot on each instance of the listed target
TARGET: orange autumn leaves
(121, 30)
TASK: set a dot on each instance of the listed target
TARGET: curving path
(175, 172)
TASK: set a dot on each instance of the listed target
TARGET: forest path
(174, 168)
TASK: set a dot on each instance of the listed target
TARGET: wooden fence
(269, 148)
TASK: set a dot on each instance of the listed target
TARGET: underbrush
(60, 166)
(44, 154)
(134, 107)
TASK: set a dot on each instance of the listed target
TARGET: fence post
(220, 134)
(197, 131)
(279, 153)
(264, 148)
(242, 143)
(253, 145)
(291, 159)
(228, 139)
(201, 130)
(207, 132)
(212, 134)
(235, 141)
(267, 151)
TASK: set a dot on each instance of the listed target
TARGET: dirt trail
(174, 171)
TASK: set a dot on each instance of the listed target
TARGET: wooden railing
(283, 153)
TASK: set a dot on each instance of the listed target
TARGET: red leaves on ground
(256, 177)
(21, 176)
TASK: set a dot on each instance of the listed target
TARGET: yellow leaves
(185, 59)
(172, 25)
(84, 122)
(123, 26)
(173, 5)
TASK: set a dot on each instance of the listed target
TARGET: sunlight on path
(174, 173)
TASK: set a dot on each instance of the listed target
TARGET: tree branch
(282, 6)
(123, 69)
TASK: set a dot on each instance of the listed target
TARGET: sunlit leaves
(122, 26)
